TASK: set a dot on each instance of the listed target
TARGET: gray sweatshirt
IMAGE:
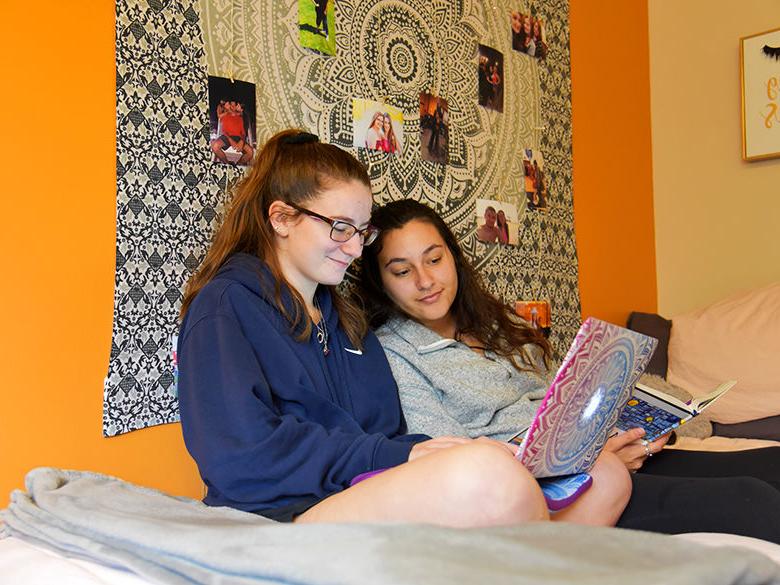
(448, 389)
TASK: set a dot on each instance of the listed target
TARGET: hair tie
(300, 138)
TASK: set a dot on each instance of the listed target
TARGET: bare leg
(476, 484)
(606, 499)
(216, 148)
(248, 152)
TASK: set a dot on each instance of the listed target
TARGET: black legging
(736, 492)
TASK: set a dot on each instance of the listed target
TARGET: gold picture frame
(760, 77)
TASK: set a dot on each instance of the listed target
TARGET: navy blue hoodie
(272, 421)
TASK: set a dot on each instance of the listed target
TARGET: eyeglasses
(342, 231)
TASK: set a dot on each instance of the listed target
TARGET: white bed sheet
(768, 549)
(22, 563)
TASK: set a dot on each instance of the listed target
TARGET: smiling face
(307, 254)
(419, 275)
(490, 216)
(517, 22)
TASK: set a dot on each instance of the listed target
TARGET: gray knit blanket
(175, 540)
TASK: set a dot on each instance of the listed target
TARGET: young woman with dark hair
(503, 227)
(287, 400)
(375, 135)
(389, 143)
(467, 366)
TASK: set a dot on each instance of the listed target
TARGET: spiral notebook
(584, 400)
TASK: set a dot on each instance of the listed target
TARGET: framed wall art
(760, 73)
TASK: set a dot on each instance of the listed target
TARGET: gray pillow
(656, 326)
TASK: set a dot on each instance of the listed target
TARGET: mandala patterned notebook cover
(584, 400)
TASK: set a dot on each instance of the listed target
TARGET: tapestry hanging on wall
(171, 185)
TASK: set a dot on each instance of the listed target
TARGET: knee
(616, 472)
(492, 488)
(611, 476)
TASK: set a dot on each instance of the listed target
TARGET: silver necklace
(322, 329)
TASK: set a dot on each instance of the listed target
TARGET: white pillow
(737, 338)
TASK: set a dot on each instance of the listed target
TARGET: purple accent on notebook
(559, 492)
(361, 476)
(584, 400)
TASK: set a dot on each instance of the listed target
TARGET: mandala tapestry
(170, 195)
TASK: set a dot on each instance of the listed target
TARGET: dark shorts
(290, 512)
(226, 142)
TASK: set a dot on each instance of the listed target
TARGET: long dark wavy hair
(476, 312)
(293, 167)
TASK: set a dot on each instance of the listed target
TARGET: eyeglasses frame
(369, 229)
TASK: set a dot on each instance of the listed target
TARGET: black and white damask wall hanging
(170, 193)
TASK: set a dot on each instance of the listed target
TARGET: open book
(658, 413)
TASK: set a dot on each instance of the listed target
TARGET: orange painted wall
(57, 247)
(57, 236)
(613, 181)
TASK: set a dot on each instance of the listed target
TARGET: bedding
(26, 564)
(105, 521)
(23, 563)
(715, 443)
(735, 338)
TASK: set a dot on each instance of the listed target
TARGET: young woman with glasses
(287, 400)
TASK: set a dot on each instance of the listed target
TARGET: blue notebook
(559, 492)
(659, 413)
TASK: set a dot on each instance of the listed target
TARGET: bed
(83, 528)
(734, 338)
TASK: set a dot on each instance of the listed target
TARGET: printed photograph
(434, 128)
(377, 126)
(232, 109)
(536, 313)
(317, 24)
(528, 35)
(534, 179)
(491, 78)
(497, 222)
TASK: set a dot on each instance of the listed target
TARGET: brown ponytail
(292, 167)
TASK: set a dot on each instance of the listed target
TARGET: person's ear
(281, 217)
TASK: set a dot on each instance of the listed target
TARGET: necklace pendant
(325, 350)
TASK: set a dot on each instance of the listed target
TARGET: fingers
(633, 456)
(631, 449)
(512, 448)
(449, 440)
(430, 446)
(659, 443)
(634, 464)
(623, 439)
(433, 445)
